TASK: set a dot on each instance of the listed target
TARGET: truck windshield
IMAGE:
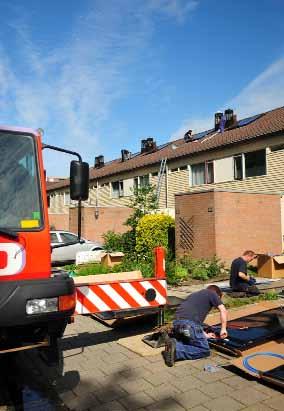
(20, 204)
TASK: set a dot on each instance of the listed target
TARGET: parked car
(68, 253)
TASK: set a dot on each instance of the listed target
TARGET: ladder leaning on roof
(160, 178)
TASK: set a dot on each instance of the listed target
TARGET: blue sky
(99, 76)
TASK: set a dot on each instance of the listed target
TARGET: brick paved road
(102, 375)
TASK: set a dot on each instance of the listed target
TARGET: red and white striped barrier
(123, 295)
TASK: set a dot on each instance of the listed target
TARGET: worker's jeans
(191, 342)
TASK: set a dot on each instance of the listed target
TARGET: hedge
(152, 231)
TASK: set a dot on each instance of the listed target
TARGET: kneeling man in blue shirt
(188, 321)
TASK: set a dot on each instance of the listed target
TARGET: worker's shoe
(170, 351)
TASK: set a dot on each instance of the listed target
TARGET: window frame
(206, 172)
(265, 162)
(120, 189)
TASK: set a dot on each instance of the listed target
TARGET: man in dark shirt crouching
(239, 280)
(189, 318)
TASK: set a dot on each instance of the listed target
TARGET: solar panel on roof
(248, 120)
(200, 135)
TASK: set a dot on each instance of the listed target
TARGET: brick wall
(59, 221)
(227, 223)
(109, 219)
(247, 221)
(195, 226)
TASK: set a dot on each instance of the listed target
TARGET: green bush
(202, 269)
(200, 273)
(176, 273)
(152, 231)
(112, 241)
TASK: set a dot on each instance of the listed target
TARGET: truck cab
(35, 306)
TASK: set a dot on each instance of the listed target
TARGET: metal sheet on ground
(253, 329)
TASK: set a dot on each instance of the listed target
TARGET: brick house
(244, 156)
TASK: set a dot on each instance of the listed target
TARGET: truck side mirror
(79, 180)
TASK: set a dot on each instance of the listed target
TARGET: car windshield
(20, 204)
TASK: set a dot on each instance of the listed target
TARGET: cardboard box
(270, 266)
(111, 259)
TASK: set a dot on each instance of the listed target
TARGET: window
(255, 163)
(198, 174)
(144, 180)
(250, 164)
(155, 174)
(238, 167)
(202, 173)
(136, 183)
(48, 201)
(209, 172)
(21, 202)
(68, 238)
(141, 181)
(117, 189)
(66, 199)
(183, 168)
(53, 238)
(174, 169)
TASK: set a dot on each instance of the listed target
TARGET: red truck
(35, 305)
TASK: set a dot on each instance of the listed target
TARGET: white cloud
(262, 94)
(70, 90)
(178, 9)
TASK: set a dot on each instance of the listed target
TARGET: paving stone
(86, 385)
(180, 370)
(83, 403)
(199, 408)
(276, 403)
(223, 404)
(110, 406)
(270, 392)
(168, 404)
(163, 391)
(209, 377)
(155, 358)
(137, 362)
(257, 407)
(238, 382)
(186, 383)
(131, 374)
(135, 386)
(136, 401)
(157, 378)
(216, 389)
(110, 393)
(191, 398)
(248, 396)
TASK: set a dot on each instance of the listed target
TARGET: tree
(143, 202)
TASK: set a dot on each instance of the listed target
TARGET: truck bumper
(15, 294)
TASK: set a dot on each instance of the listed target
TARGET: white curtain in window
(198, 174)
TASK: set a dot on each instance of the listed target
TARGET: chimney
(188, 136)
(99, 161)
(218, 117)
(125, 155)
(230, 118)
(148, 145)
